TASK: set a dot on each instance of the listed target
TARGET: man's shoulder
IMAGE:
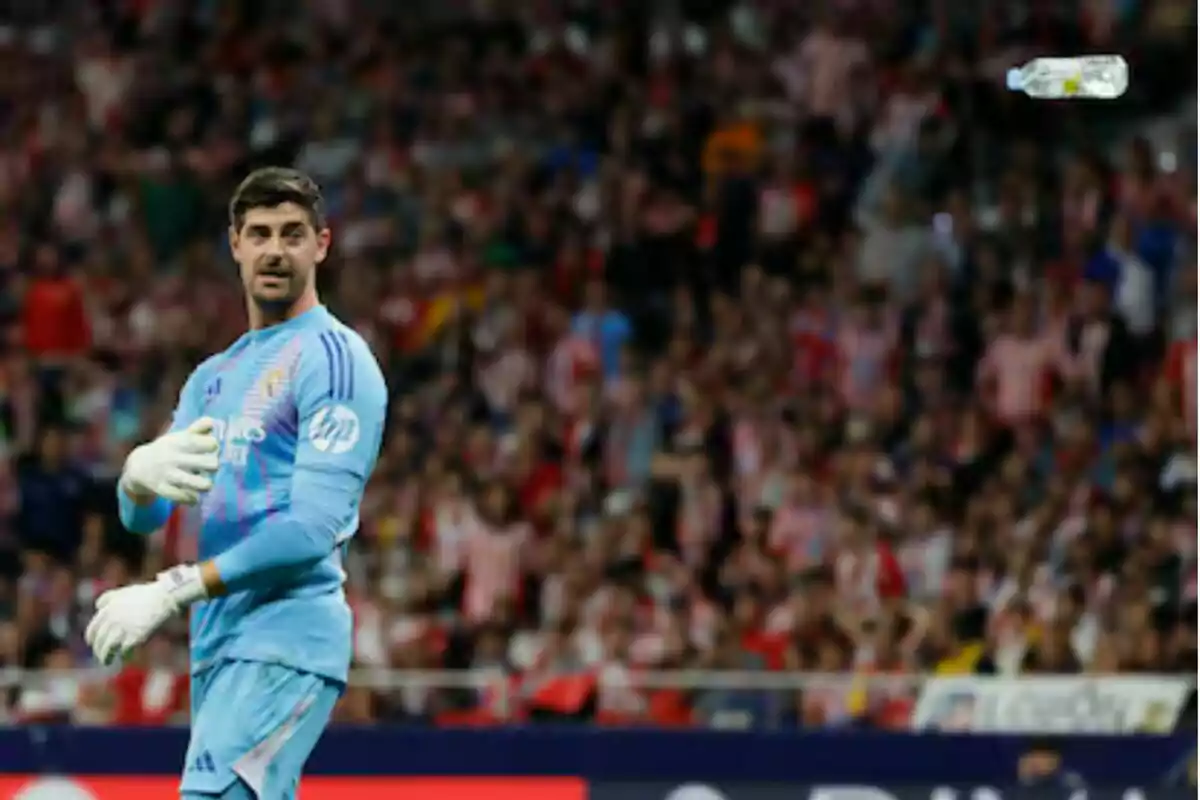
(333, 348)
(210, 368)
(332, 338)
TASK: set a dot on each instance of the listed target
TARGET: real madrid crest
(273, 383)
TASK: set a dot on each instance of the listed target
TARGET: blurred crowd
(747, 336)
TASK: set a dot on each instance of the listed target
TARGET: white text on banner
(1118, 704)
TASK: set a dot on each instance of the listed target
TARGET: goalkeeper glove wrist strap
(184, 585)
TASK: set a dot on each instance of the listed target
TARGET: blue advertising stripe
(340, 355)
(329, 363)
(345, 345)
(618, 755)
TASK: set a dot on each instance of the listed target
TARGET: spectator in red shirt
(150, 690)
(54, 316)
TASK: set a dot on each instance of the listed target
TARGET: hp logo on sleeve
(334, 430)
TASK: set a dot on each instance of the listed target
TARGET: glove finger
(114, 646)
(105, 598)
(202, 426)
(206, 444)
(186, 497)
(178, 494)
(182, 479)
(193, 443)
(107, 637)
(93, 630)
(199, 462)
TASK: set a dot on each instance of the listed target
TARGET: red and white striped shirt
(503, 380)
(700, 510)
(578, 434)
(572, 361)
(1088, 362)
(451, 528)
(747, 447)
(1020, 368)
(798, 533)
(864, 362)
(865, 577)
(765, 488)
(493, 560)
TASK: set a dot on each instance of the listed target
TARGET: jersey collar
(299, 321)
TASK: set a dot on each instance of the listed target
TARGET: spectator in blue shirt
(53, 496)
(608, 328)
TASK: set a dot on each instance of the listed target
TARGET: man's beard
(287, 284)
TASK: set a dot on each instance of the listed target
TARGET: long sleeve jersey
(300, 410)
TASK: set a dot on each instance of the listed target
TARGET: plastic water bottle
(1093, 77)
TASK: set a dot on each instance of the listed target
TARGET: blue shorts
(257, 722)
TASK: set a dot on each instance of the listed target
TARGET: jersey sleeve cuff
(142, 518)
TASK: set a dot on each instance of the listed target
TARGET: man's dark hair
(273, 186)
(1045, 745)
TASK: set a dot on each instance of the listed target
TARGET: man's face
(1038, 764)
(277, 250)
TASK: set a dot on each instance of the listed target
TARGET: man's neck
(264, 318)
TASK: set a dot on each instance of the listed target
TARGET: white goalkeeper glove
(176, 466)
(125, 618)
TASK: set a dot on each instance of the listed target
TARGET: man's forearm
(142, 514)
(281, 545)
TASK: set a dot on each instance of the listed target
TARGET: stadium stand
(756, 337)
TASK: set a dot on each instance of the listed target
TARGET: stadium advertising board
(1116, 705)
(604, 756)
(700, 791)
(145, 788)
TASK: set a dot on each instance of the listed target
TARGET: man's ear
(324, 239)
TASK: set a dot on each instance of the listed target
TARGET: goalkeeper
(271, 444)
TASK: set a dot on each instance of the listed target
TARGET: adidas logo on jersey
(203, 763)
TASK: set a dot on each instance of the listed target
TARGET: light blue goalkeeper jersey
(300, 410)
